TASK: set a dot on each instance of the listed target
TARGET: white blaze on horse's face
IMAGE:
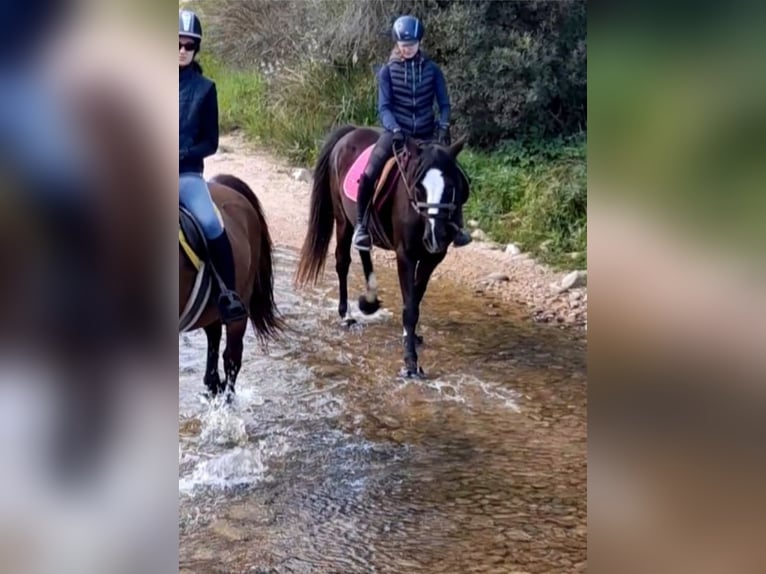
(433, 182)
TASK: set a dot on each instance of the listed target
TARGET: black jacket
(198, 120)
(406, 93)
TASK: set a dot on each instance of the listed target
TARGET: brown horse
(414, 221)
(252, 248)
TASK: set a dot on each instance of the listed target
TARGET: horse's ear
(457, 147)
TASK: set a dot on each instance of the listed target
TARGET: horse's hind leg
(344, 234)
(212, 379)
(232, 355)
(369, 302)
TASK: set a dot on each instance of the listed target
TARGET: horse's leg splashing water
(232, 359)
(232, 356)
(212, 379)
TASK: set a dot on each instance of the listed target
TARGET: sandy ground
(483, 266)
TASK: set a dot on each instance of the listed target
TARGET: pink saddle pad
(354, 174)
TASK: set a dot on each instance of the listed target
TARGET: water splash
(240, 466)
(223, 425)
(466, 389)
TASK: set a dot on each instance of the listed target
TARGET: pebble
(301, 174)
(574, 279)
(498, 277)
(575, 296)
(479, 235)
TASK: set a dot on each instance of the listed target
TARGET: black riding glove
(443, 137)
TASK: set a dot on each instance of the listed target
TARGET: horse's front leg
(369, 302)
(410, 314)
(422, 275)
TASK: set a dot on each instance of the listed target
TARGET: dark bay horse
(415, 219)
(252, 248)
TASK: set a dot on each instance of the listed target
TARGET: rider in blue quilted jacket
(198, 139)
(407, 87)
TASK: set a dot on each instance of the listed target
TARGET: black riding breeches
(380, 154)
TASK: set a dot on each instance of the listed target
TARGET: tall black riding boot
(361, 239)
(229, 304)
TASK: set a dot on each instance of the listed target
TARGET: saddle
(384, 187)
(192, 242)
(384, 183)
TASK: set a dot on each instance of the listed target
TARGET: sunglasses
(188, 46)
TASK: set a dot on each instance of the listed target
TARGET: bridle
(422, 207)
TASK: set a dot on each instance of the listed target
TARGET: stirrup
(230, 307)
(361, 239)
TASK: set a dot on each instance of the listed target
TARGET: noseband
(422, 207)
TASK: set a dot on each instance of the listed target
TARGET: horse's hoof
(367, 307)
(347, 322)
(408, 373)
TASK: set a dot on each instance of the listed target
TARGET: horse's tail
(263, 310)
(321, 219)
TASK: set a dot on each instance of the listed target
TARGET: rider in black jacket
(407, 87)
(198, 138)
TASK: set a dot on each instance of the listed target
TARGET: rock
(479, 235)
(498, 277)
(512, 249)
(571, 281)
(574, 279)
(575, 296)
(301, 174)
(574, 255)
(473, 223)
(389, 422)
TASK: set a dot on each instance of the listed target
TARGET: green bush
(522, 75)
(293, 113)
(534, 195)
(513, 68)
(518, 90)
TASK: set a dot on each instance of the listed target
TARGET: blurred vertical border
(88, 344)
(677, 342)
